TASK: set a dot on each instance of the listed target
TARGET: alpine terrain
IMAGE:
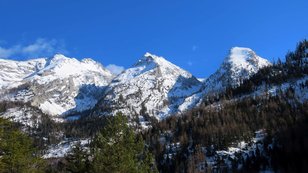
(57, 86)
(153, 86)
(61, 114)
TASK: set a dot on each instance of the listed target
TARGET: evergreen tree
(117, 149)
(77, 160)
(17, 154)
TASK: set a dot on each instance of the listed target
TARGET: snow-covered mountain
(57, 85)
(240, 64)
(152, 86)
(13, 72)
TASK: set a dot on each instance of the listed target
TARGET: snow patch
(63, 148)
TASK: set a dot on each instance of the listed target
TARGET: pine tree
(117, 149)
(17, 154)
(77, 160)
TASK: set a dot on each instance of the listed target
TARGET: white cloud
(114, 69)
(40, 48)
(5, 53)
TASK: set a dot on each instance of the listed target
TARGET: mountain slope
(13, 72)
(58, 86)
(240, 64)
(153, 86)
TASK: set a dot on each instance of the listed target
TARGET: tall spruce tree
(118, 149)
(17, 154)
(78, 160)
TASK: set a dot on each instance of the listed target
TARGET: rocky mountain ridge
(58, 85)
(152, 87)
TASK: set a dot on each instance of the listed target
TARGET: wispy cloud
(115, 69)
(189, 63)
(39, 48)
(5, 53)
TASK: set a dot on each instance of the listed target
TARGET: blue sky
(195, 35)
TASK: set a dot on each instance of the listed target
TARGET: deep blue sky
(194, 34)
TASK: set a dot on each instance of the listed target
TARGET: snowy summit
(153, 86)
(240, 64)
(58, 85)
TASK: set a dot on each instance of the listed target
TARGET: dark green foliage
(84, 127)
(294, 67)
(225, 124)
(117, 149)
(17, 154)
(78, 160)
(290, 152)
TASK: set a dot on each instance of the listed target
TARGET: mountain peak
(58, 85)
(148, 54)
(238, 48)
(152, 82)
(59, 58)
(241, 52)
(62, 66)
(241, 55)
(245, 58)
(88, 61)
(151, 58)
(240, 64)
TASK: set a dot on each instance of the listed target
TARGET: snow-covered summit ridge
(61, 66)
(13, 72)
(153, 83)
(240, 64)
(149, 63)
(58, 85)
(246, 57)
(149, 57)
(155, 61)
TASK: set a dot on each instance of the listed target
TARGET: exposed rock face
(13, 72)
(58, 86)
(240, 64)
(152, 86)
